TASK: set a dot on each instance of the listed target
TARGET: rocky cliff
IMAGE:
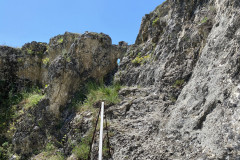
(179, 97)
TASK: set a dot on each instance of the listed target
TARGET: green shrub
(81, 151)
(137, 60)
(29, 97)
(68, 59)
(46, 61)
(140, 60)
(178, 83)
(57, 156)
(155, 21)
(33, 99)
(204, 20)
(60, 40)
(29, 51)
(5, 150)
(51, 153)
(50, 147)
(20, 60)
(13, 103)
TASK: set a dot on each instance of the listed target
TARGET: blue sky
(23, 21)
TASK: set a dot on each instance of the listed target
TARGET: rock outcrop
(61, 67)
(90, 56)
(180, 98)
(187, 54)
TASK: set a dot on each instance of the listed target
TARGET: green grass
(96, 93)
(155, 21)
(178, 83)
(9, 100)
(29, 97)
(57, 156)
(16, 105)
(93, 93)
(20, 60)
(51, 153)
(204, 20)
(25, 100)
(81, 151)
(60, 40)
(33, 100)
(12, 105)
(50, 147)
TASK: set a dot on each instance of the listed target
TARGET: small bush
(25, 98)
(33, 99)
(5, 151)
(204, 20)
(57, 156)
(50, 147)
(46, 61)
(155, 21)
(60, 41)
(28, 97)
(137, 60)
(68, 59)
(29, 51)
(81, 151)
(140, 60)
(178, 83)
(20, 60)
(51, 153)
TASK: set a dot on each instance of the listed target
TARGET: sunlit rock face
(187, 55)
(180, 86)
(90, 56)
(60, 68)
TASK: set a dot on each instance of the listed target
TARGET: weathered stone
(194, 70)
(91, 56)
(181, 78)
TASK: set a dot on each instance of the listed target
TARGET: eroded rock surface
(61, 67)
(90, 56)
(180, 98)
(193, 63)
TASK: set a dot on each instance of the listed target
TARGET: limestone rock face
(187, 54)
(61, 67)
(60, 45)
(31, 63)
(24, 64)
(181, 81)
(90, 56)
